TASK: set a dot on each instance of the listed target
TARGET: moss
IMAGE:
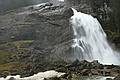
(4, 55)
(19, 44)
(9, 63)
(12, 66)
(16, 43)
(16, 46)
(11, 49)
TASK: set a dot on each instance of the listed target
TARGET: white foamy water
(39, 76)
(94, 78)
(61, 0)
(90, 41)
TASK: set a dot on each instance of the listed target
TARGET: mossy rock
(10, 66)
(5, 55)
(10, 50)
(16, 44)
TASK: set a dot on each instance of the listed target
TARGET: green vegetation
(4, 56)
(16, 44)
(7, 66)
(21, 43)
(8, 51)
(10, 66)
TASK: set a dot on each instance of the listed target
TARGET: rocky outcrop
(86, 68)
(72, 71)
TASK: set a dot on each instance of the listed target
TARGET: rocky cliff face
(35, 35)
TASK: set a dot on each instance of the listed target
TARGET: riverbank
(85, 68)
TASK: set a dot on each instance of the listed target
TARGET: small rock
(12, 78)
(94, 72)
(109, 79)
(85, 72)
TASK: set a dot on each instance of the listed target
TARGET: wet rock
(54, 78)
(95, 72)
(116, 40)
(117, 78)
(96, 65)
(109, 79)
(86, 72)
(12, 78)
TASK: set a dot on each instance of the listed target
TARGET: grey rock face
(48, 27)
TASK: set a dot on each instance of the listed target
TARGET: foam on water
(38, 76)
(90, 42)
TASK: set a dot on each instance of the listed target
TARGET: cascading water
(90, 41)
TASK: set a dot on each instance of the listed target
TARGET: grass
(9, 50)
(16, 44)
(20, 43)
(10, 67)
(4, 55)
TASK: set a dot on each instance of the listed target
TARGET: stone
(94, 72)
(109, 79)
(12, 78)
(117, 77)
(86, 72)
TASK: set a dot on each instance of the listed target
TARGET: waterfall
(90, 42)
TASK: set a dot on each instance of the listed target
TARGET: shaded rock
(109, 79)
(95, 72)
(54, 78)
(116, 40)
(117, 78)
(86, 72)
(12, 78)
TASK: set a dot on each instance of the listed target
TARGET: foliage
(10, 66)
